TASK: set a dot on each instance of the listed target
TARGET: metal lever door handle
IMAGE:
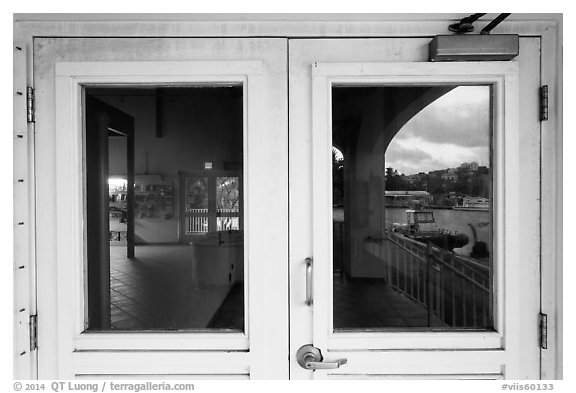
(325, 365)
(310, 358)
(309, 300)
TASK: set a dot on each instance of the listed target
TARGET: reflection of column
(347, 186)
(103, 124)
(130, 192)
(385, 243)
(240, 202)
(212, 208)
(98, 228)
(366, 199)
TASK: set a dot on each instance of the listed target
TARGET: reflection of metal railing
(454, 288)
(230, 221)
(197, 224)
(227, 223)
(190, 210)
(228, 211)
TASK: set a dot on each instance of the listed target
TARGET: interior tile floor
(364, 303)
(158, 290)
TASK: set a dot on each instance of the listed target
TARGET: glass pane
(227, 194)
(165, 243)
(196, 194)
(412, 211)
(196, 202)
(228, 203)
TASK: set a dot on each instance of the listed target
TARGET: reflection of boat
(474, 203)
(421, 227)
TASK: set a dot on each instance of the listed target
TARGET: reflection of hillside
(446, 187)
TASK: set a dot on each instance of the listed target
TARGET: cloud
(452, 130)
(400, 151)
(413, 155)
(460, 117)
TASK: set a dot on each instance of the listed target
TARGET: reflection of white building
(474, 203)
(450, 175)
(470, 166)
(407, 198)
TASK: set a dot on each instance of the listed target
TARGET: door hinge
(30, 104)
(544, 103)
(33, 332)
(543, 331)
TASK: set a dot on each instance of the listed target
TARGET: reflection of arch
(410, 108)
(364, 122)
(338, 152)
(370, 117)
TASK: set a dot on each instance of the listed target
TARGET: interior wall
(117, 157)
(198, 125)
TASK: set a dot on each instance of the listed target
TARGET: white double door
(289, 129)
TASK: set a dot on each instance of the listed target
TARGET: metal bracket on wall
(33, 332)
(544, 103)
(30, 104)
(543, 331)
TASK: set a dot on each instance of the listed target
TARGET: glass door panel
(228, 203)
(412, 212)
(157, 280)
(143, 274)
(407, 258)
(196, 205)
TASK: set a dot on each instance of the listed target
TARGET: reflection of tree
(227, 193)
(461, 184)
(337, 179)
(227, 201)
(472, 183)
(197, 195)
(445, 190)
(396, 182)
(480, 183)
(436, 185)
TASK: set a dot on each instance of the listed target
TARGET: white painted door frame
(546, 27)
(315, 65)
(257, 353)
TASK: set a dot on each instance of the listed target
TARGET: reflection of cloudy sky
(452, 130)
